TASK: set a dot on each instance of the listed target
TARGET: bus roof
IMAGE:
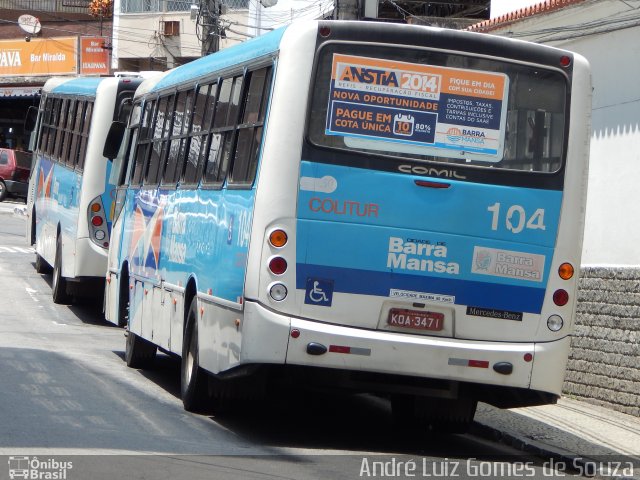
(75, 86)
(243, 52)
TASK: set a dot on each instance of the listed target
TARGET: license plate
(415, 319)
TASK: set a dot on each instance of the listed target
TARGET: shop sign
(39, 56)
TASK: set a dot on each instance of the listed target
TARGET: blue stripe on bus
(462, 209)
(79, 86)
(238, 54)
(477, 294)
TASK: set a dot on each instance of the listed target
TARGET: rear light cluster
(278, 265)
(560, 297)
(98, 231)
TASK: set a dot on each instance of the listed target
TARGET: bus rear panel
(426, 239)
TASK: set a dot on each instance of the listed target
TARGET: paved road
(66, 391)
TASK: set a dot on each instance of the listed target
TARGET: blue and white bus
(70, 198)
(380, 208)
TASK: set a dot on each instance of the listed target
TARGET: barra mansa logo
(351, 73)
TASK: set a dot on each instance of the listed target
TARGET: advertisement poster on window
(381, 104)
(39, 56)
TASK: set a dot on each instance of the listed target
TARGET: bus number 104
(516, 219)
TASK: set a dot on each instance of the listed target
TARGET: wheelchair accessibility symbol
(319, 292)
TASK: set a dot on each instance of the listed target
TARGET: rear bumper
(17, 188)
(267, 339)
(94, 259)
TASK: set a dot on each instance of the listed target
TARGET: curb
(576, 464)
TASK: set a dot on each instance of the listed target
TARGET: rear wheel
(123, 299)
(193, 380)
(41, 265)
(59, 287)
(437, 414)
(33, 225)
(3, 191)
(139, 353)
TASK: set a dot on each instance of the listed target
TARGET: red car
(15, 167)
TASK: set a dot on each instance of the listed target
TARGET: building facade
(162, 34)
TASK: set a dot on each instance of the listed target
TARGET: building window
(145, 6)
(140, 6)
(178, 5)
(170, 28)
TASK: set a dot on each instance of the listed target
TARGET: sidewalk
(571, 430)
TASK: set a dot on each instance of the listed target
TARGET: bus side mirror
(31, 119)
(113, 140)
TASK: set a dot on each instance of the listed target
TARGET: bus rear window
(438, 106)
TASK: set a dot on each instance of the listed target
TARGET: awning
(20, 91)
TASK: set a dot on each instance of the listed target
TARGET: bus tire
(3, 191)
(33, 227)
(59, 283)
(442, 415)
(123, 299)
(139, 353)
(228, 395)
(41, 265)
(193, 379)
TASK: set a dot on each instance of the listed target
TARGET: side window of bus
(77, 129)
(198, 134)
(160, 140)
(129, 155)
(144, 143)
(245, 159)
(84, 140)
(45, 123)
(62, 120)
(177, 141)
(185, 136)
(169, 118)
(68, 134)
(53, 124)
(221, 139)
(124, 109)
(53, 121)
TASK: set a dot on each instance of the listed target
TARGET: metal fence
(144, 6)
(235, 4)
(126, 6)
(61, 6)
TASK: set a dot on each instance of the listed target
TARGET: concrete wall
(605, 357)
(605, 350)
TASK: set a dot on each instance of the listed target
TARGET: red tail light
(278, 265)
(98, 226)
(560, 297)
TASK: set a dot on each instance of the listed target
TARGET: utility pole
(347, 10)
(210, 11)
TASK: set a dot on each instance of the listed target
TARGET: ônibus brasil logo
(36, 469)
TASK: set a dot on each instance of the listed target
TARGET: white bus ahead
(70, 199)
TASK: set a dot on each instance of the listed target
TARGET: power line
(616, 21)
(133, 39)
